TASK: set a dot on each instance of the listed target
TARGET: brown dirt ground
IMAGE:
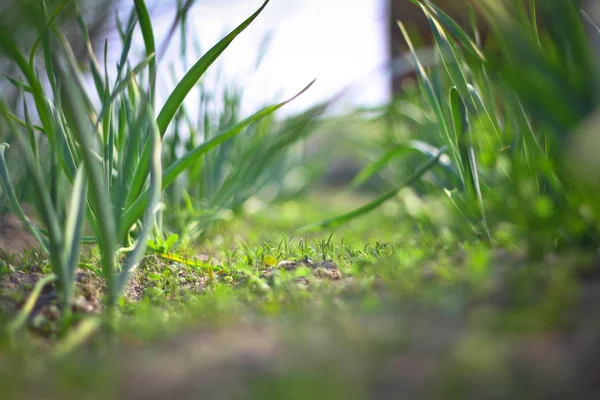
(14, 238)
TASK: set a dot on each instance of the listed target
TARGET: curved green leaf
(341, 219)
(148, 35)
(167, 113)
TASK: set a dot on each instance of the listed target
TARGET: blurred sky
(339, 42)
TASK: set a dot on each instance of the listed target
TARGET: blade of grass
(27, 308)
(461, 129)
(148, 36)
(94, 65)
(190, 79)
(534, 22)
(40, 36)
(9, 48)
(433, 99)
(460, 124)
(449, 56)
(341, 219)
(18, 84)
(154, 191)
(76, 338)
(14, 201)
(412, 146)
(372, 168)
(454, 28)
(30, 130)
(72, 234)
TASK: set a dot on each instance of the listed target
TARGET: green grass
(510, 114)
(333, 307)
(471, 274)
(107, 163)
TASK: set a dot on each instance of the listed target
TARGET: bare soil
(14, 237)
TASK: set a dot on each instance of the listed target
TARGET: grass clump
(509, 114)
(106, 155)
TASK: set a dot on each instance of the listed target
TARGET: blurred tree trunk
(416, 24)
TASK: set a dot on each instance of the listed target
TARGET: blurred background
(343, 44)
(307, 39)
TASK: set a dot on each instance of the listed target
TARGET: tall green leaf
(190, 79)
